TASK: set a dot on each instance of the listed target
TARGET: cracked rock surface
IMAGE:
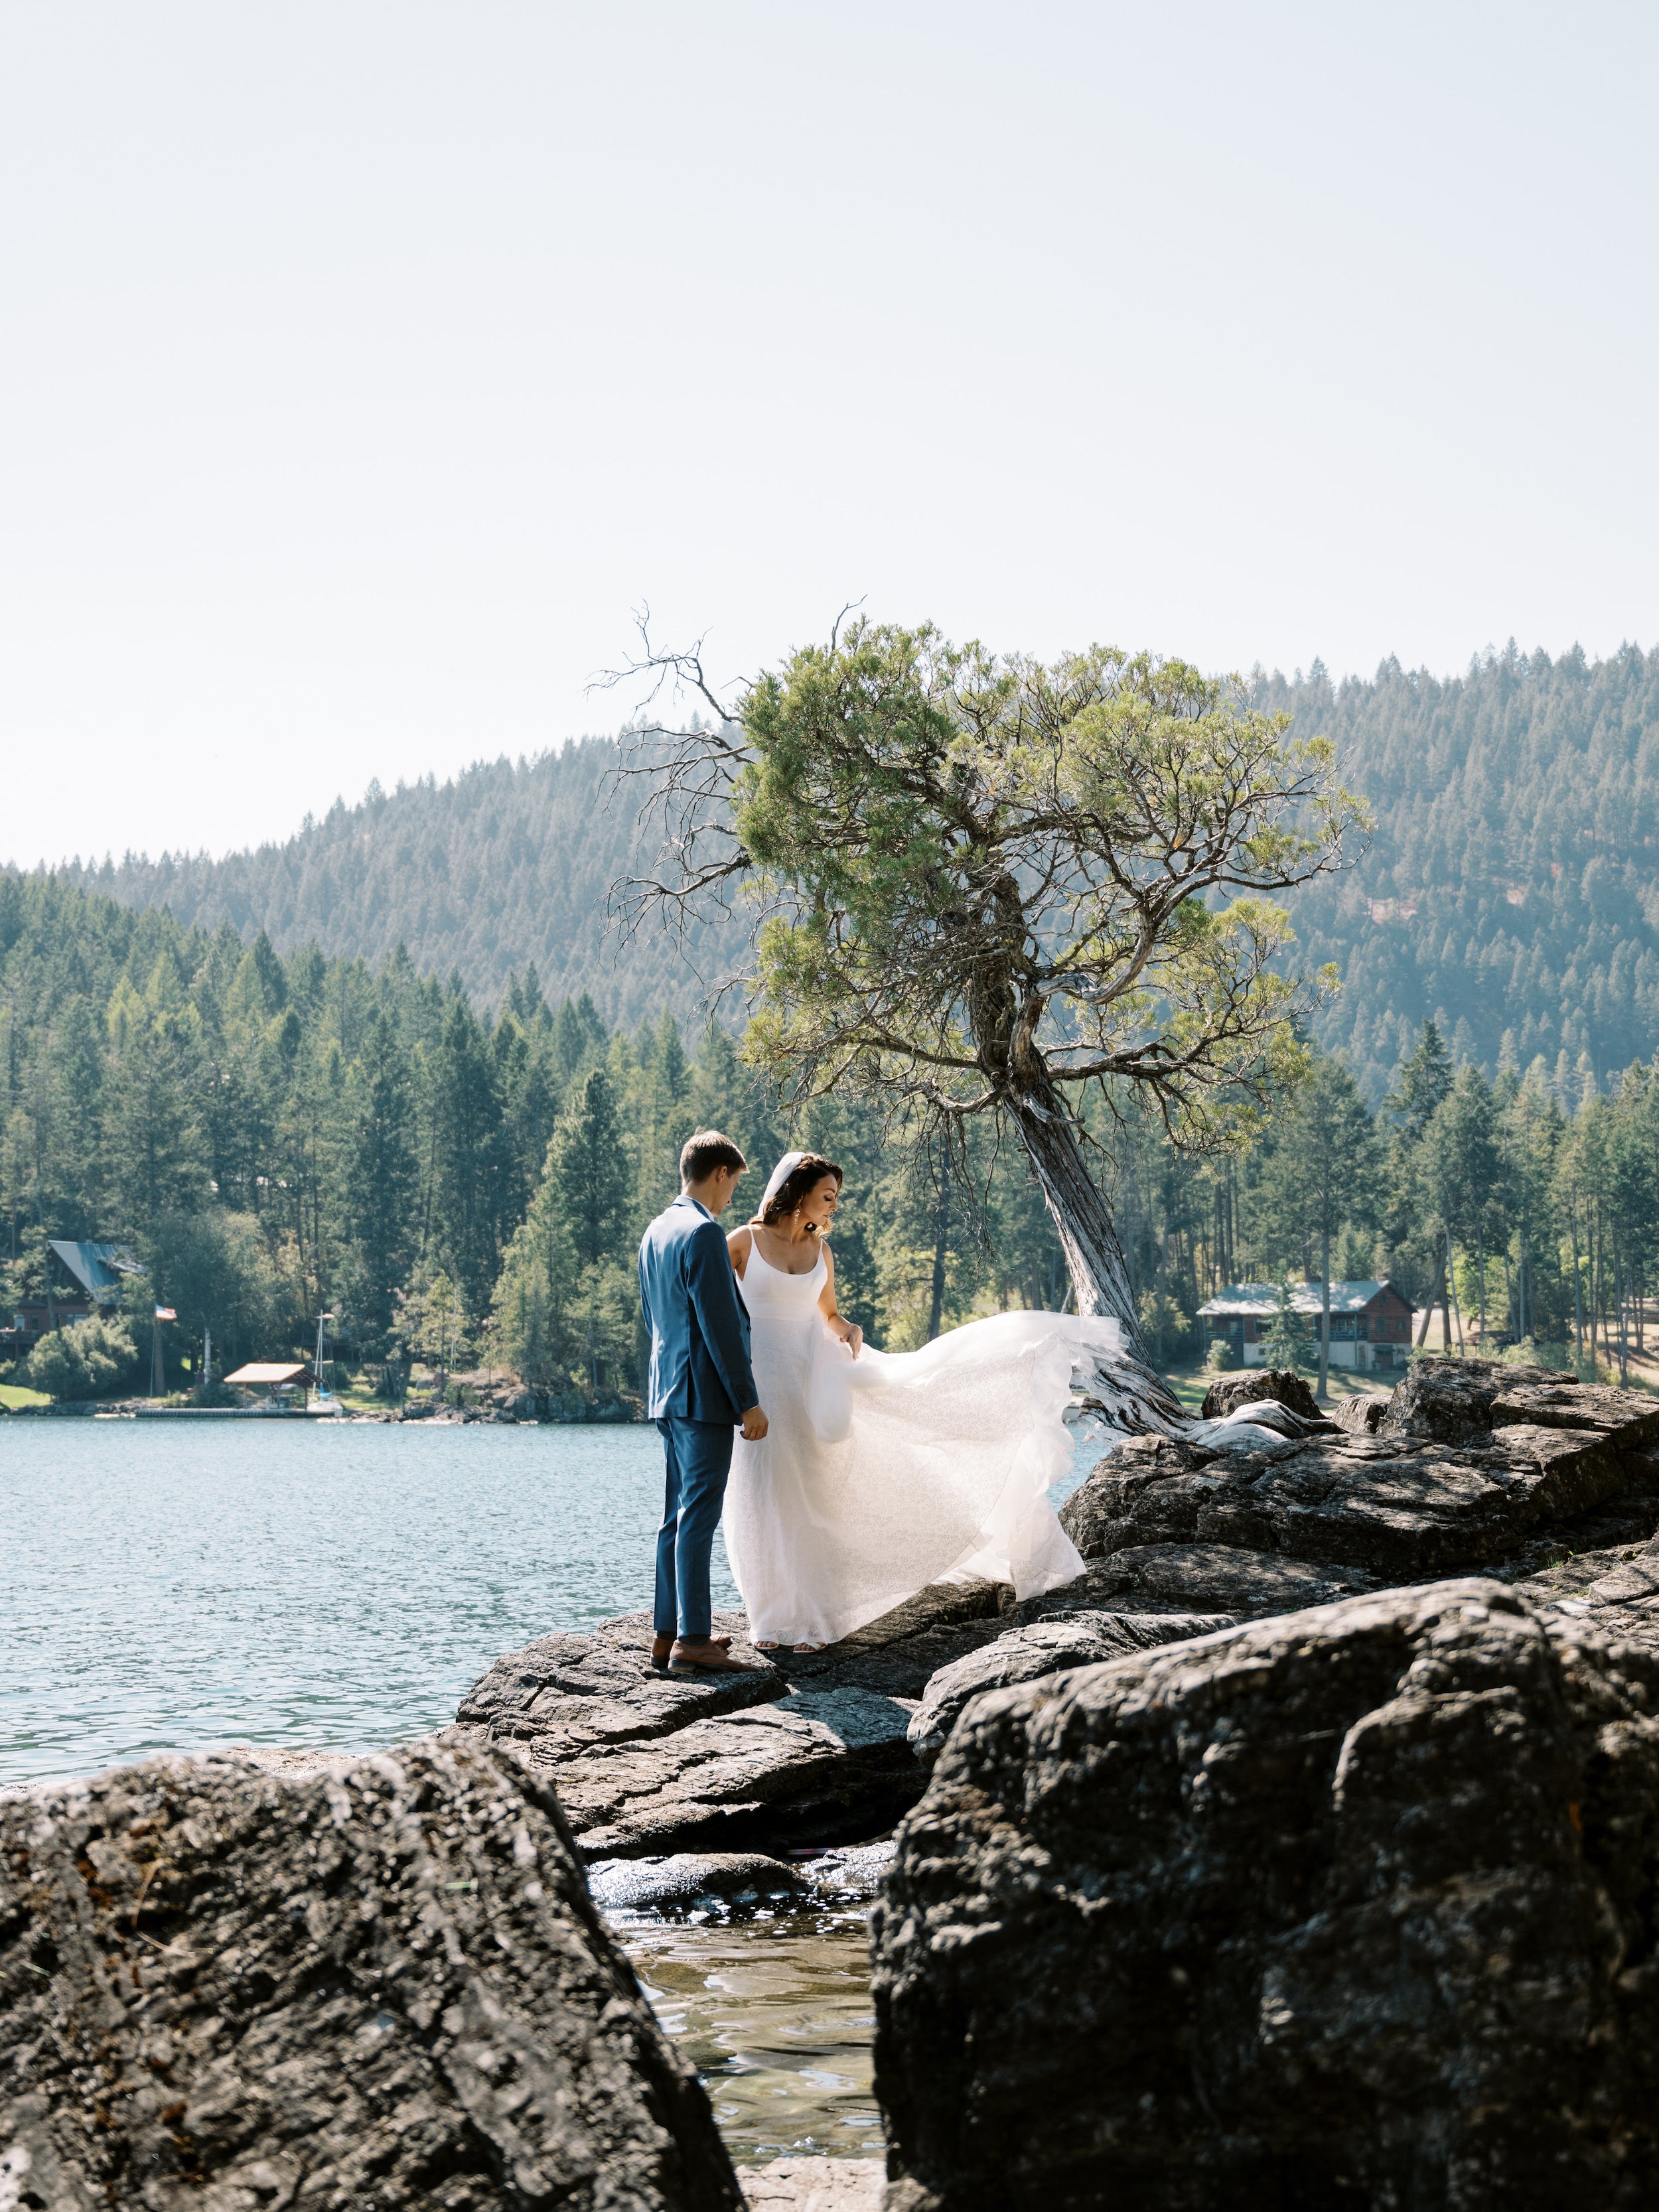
(817, 1764)
(570, 1693)
(1229, 1391)
(1614, 1594)
(1023, 1655)
(1357, 1906)
(651, 1765)
(381, 1987)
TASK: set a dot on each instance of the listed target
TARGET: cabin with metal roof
(1370, 1322)
(81, 1280)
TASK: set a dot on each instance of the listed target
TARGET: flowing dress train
(882, 1475)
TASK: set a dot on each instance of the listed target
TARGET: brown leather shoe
(662, 1645)
(708, 1657)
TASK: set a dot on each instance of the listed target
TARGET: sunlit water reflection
(774, 2015)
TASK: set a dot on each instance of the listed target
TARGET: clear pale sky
(364, 364)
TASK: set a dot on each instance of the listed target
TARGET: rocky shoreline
(1305, 1849)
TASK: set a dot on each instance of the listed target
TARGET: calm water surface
(168, 1587)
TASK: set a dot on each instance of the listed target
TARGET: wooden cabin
(1370, 1322)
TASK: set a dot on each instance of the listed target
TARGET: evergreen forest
(281, 1136)
(1510, 894)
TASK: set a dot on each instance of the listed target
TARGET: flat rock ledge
(382, 1986)
(1356, 1906)
(810, 1749)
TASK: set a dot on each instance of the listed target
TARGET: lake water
(774, 2015)
(167, 1586)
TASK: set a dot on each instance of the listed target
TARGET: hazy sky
(363, 364)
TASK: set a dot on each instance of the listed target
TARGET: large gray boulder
(1023, 1655)
(819, 1766)
(383, 1987)
(1351, 1907)
(1463, 1401)
(1364, 1415)
(1470, 1466)
(1228, 1392)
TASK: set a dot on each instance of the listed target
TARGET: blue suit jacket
(698, 1322)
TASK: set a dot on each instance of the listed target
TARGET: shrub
(94, 1359)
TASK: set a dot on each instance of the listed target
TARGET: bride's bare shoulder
(737, 1244)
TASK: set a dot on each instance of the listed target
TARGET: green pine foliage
(1511, 891)
(281, 1136)
(505, 869)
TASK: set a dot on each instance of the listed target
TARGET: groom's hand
(754, 1426)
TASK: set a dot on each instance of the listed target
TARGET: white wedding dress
(880, 1474)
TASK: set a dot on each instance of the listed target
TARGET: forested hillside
(1512, 889)
(507, 867)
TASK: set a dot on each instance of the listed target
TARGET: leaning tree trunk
(1132, 1394)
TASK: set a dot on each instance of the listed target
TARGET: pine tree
(1322, 1171)
(464, 1116)
(379, 1180)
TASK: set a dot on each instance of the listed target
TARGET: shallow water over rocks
(774, 2011)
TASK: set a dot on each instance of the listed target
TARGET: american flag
(165, 1313)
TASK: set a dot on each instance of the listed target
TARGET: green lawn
(1189, 1383)
(15, 1395)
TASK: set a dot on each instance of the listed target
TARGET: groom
(700, 1390)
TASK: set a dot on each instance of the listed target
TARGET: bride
(882, 1472)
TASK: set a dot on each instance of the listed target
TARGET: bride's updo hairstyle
(808, 1172)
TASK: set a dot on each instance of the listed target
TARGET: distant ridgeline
(509, 864)
(1512, 889)
(1511, 892)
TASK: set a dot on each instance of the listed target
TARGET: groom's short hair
(706, 1154)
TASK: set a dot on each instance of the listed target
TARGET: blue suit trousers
(699, 1455)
